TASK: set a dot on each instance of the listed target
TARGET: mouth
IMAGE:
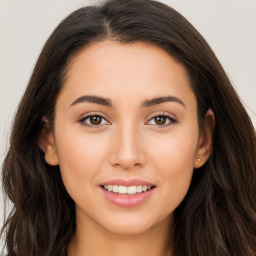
(127, 193)
(127, 190)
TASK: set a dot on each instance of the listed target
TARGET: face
(126, 136)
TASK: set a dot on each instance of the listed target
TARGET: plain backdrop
(229, 26)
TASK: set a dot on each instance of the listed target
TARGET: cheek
(174, 160)
(177, 156)
(176, 150)
(79, 156)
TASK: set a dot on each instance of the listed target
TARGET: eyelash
(172, 120)
(161, 115)
(84, 119)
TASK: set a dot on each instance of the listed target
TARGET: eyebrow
(159, 100)
(93, 99)
(107, 102)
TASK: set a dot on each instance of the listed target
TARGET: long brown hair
(218, 214)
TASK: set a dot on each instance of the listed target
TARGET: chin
(134, 226)
(129, 229)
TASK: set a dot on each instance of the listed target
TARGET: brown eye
(160, 120)
(95, 120)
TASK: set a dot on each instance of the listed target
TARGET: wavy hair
(218, 214)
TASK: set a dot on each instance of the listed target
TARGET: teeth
(115, 189)
(127, 190)
(139, 189)
(122, 190)
(132, 190)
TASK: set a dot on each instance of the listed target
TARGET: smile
(125, 190)
(127, 193)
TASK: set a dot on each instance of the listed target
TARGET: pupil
(95, 120)
(160, 120)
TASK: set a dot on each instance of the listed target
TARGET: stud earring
(198, 159)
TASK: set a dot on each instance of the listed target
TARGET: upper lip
(127, 183)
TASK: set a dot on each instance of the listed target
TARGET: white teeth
(122, 190)
(144, 188)
(115, 189)
(132, 190)
(127, 190)
(139, 189)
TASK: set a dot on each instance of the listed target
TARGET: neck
(93, 239)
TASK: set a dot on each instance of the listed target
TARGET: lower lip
(127, 201)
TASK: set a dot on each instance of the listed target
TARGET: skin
(129, 142)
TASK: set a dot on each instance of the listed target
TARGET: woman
(130, 140)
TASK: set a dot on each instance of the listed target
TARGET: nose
(127, 149)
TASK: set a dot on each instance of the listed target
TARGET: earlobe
(47, 144)
(205, 141)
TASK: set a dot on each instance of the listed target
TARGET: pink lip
(127, 201)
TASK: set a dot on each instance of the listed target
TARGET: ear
(205, 141)
(47, 144)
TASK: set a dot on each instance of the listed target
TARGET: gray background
(228, 25)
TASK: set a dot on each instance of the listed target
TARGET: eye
(94, 120)
(161, 120)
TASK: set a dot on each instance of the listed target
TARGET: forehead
(112, 69)
(128, 55)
